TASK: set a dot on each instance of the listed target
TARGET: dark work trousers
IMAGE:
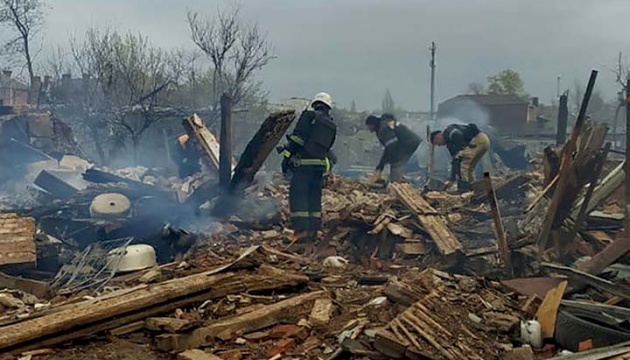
(397, 168)
(305, 198)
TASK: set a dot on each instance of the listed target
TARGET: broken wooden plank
(590, 280)
(226, 329)
(321, 312)
(411, 248)
(447, 243)
(401, 293)
(259, 148)
(607, 187)
(87, 318)
(225, 150)
(598, 354)
(548, 310)
(17, 240)
(565, 166)
(498, 225)
(127, 329)
(38, 288)
(611, 253)
(170, 325)
(196, 354)
(505, 189)
(205, 140)
(54, 185)
(538, 286)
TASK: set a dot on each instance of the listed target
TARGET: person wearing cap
(467, 145)
(308, 157)
(186, 157)
(399, 141)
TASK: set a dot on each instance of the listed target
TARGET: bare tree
(236, 49)
(26, 18)
(622, 72)
(125, 82)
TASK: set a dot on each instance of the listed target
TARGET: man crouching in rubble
(308, 157)
(186, 157)
(400, 144)
(467, 145)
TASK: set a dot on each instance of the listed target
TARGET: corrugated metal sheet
(17, 239)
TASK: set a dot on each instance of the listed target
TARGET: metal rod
(432, 65)
(498, 224)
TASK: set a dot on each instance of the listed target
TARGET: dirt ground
(104, 350)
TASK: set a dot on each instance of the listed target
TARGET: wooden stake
(498, 224)
(225, 141)
(567, 156)
(579, 221)
(627, 167)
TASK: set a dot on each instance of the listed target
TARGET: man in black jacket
(399, 141)
(467, 145)
(308, 157)
(186, 157)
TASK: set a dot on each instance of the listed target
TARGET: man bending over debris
(399, 141)
(467, 145)
(307, 157)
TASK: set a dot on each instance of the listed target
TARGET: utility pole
(432, 66)
(558, 87)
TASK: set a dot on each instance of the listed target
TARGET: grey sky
(355, 49)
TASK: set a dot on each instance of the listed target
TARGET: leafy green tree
(507, 82)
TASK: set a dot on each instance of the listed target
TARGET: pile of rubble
(399, 271)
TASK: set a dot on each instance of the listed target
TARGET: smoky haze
(355, 49)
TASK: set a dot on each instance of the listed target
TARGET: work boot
(298, 236)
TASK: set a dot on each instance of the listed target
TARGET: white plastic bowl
(137, 257)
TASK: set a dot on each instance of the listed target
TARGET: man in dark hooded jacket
(399, 141)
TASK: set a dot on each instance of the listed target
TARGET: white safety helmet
(324, 98)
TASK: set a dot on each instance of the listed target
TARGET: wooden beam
(627, 168)
(259, 147)
(225, 150)
(504, 189)
(170, 325)
(204, 140)
(38, 288)
(447, 243)
(563, 120)
(607, 187)
(498, 225)
(590, 280)
(563, 173)
(606, 257)
(548, 310)
(87, 318)
(581, 217)
(196, 354)
(226, 329)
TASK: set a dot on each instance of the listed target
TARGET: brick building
(507, 113)
(12, 92)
